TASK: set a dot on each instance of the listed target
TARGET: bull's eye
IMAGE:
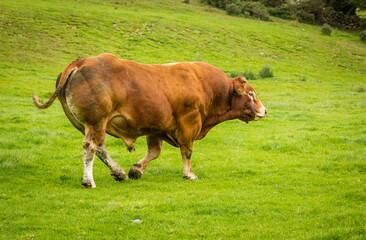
(252, 95)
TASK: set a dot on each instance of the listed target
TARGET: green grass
(297, 174)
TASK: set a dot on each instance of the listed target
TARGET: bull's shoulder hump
(170, 64)
(106, 55)
(177, 63)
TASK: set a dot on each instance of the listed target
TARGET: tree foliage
(347, 7)
(338, 13)
(361, 4)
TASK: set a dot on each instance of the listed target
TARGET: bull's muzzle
(261, 114)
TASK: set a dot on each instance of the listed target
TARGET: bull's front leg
(190, 126)
(153, 151)
(186, 157)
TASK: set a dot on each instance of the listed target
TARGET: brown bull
(178, 103)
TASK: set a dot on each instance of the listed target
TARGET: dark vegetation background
(338, 13)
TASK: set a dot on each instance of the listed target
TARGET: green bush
(241, 8)
(273, 3)
(311, 11)
(186, 1)
(247, 74)
(233, 9)
(235, 74)
(256, 9)
(305, 17)
(326, 29)
(266, 72)
(216, 3)
(347, 7)
(363, 23)
(363, 36)
(305, 11)
(285, 11)
(252, 9)
(360, 89)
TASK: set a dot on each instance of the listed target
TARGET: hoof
(134, 173)
(119, 175)
(88, 184)
(190, 177)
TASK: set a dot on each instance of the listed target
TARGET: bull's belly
(120, 127)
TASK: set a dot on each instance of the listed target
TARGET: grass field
(300, 173)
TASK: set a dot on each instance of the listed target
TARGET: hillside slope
(171, 31)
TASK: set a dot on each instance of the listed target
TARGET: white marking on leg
(88, 158)
(187, 168)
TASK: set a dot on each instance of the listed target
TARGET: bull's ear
(239, 85)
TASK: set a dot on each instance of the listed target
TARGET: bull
(178, 103)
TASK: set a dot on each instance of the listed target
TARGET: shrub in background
(246, 9)
(337, 13)
(216, 3)
(285, 11)
(360, 89)
(363, 22)
(273, 3)
(363, 36)
(233, 9)
(186, 1)
(311, 11)
(305, 17)
(247, 74)
(347, 7)
(266, 72)
(235, 74)
(326, 29)
(256, 9)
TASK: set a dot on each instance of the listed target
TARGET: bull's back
(192, 83)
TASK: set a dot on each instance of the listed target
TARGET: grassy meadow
(300, 173)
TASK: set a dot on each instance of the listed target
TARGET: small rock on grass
(137, 221)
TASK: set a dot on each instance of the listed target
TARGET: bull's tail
(61, 83)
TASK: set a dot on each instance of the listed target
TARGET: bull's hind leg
(153, 152)
(89, 148)
(116, 171)
(94, 138)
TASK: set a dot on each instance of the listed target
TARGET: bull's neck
(222, 112)
(229, 114)
(227, 111)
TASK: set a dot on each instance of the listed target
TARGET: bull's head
(247, 102)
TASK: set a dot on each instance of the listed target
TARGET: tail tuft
(39, 104)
